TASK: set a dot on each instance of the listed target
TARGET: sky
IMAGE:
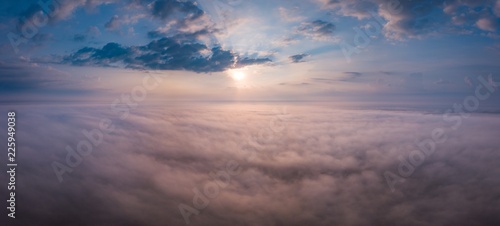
(256, 112)
(393, 51)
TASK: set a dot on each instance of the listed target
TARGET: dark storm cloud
(173, 53)
(324, 167)
(298, 58)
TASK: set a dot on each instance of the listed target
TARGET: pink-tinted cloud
(323, 167)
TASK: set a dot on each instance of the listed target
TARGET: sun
(237, 75)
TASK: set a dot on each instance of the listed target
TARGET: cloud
(79, 38)
(358, 9)
(353, 74)
(243, 61)
(116, 22)
(168, 53)
(318, 29)
(287, 41)
(323, 167)
(27, 20)
(403, 19)
(188, 37)
(343, 77)
(412, 19)
(481, 14)
(290, 15)
(324, 80)
(55, 11)
(182, 12)
(23, 79)
(298, 58)
(93, 31)
(497, 8)
(113, 23)
(407, 19)
(295, 84)
(488, 24)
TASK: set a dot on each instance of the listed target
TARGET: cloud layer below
(314, 166)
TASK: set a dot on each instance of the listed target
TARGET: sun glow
(237, 74)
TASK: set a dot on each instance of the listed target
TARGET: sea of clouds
(288, 164)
